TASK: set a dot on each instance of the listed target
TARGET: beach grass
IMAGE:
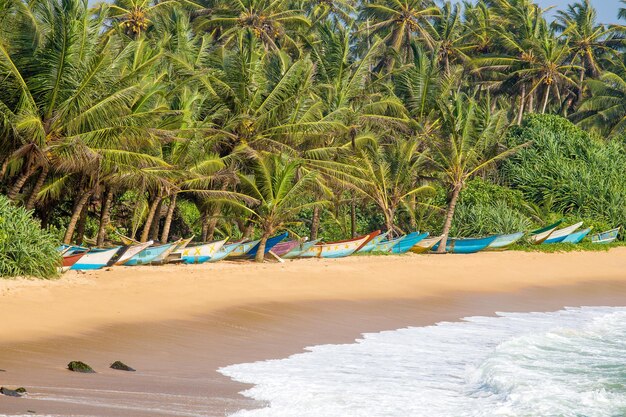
(567, 247)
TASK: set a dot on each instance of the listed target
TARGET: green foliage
(585, 246)
(25, 249)
(569, 170)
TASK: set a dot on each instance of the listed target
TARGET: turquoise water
(569, 363)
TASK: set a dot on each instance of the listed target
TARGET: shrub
(25, 249)
(579, 175)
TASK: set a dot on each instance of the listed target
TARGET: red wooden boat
(72, 259)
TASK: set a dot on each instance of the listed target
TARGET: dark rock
(9, 392)
(2, 370)
(21, 390)
(120, 366)
(77, 366)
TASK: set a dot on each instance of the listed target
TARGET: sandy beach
(178, 324)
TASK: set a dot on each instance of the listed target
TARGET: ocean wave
(568, 363)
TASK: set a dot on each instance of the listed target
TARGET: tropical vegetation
(160, 119)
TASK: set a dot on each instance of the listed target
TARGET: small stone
(21, 390)
(78, 366)
(120, 366)
(9, 392)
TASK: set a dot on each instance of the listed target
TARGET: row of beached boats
(133, 253)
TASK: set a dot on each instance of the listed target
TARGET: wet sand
(177, 325)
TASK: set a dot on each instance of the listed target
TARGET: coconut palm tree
(281, 193)
(466, 145)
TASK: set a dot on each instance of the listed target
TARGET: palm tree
(450, 37)
(398, 21)
(589, 41)
(281, 193)
(466, 145)
(605, 109)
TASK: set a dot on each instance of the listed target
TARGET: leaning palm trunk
(260, 254)
(315, 223)
(105, 216)
(449, 216)
(78, 209)
(353, 218)
(148, 224)
(19, 183)
(30, 204)
(522, 100)
(168, 218)
(205, 225)
(156, 222)
(546, 97)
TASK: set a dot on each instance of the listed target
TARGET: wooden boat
(243, 248)
(71, 249)
(70, 260)
(387, 245)
(224, 252)
(467, 245)
(408, 242)
(577, 237)
(609, 236)
(95, 259)
(540, 235)
(426, 244)
(338, 249)
(198, 254)
(304, 246)
(371, 245)
(504, 241)
(283, 248)
(269, 245)
(151, 254)
(131, 251)
(559, 235)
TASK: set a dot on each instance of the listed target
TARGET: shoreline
(178, 351)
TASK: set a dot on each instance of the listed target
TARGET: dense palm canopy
(161, 119)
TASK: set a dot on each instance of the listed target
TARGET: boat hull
(95, 259)
(269, 245)
(607, 237)
(466, 246)
(301, 248)
(338, 249)
(426, 244)
(224, 252)
(151, 254)
(133, 250)
(560, 235)
(372, 244)
(577, 237)
(200, 254)
(503, 242)
(243, 249)
(408, 242)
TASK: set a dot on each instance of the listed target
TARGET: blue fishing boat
(224, 252)
(146, 256)
(407, 242)
(371, 245)
(504, 241)
(559, 235)
(386, 246)
(243, 248)
(609, 236)
(540, 235)
(577, 237)
(467, 245)
(301, 248)
(95, 259)
(271, 242)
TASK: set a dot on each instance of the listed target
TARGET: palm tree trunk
(156, 222)
(80, 226)
(205, 225)
(105, 215)
(315, 223)
(15, 189)
(389, 215)
(353, 218)
(260, 254)
(212, 226)
(147, 226)
(168, 218)
(30, 204)
(78, 209)
(581, 80)
(449, 216)
(522, 100)
(545, 99)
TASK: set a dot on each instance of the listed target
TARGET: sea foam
(565, 363)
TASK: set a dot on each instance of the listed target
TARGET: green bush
(25, 249)
(575, 174)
